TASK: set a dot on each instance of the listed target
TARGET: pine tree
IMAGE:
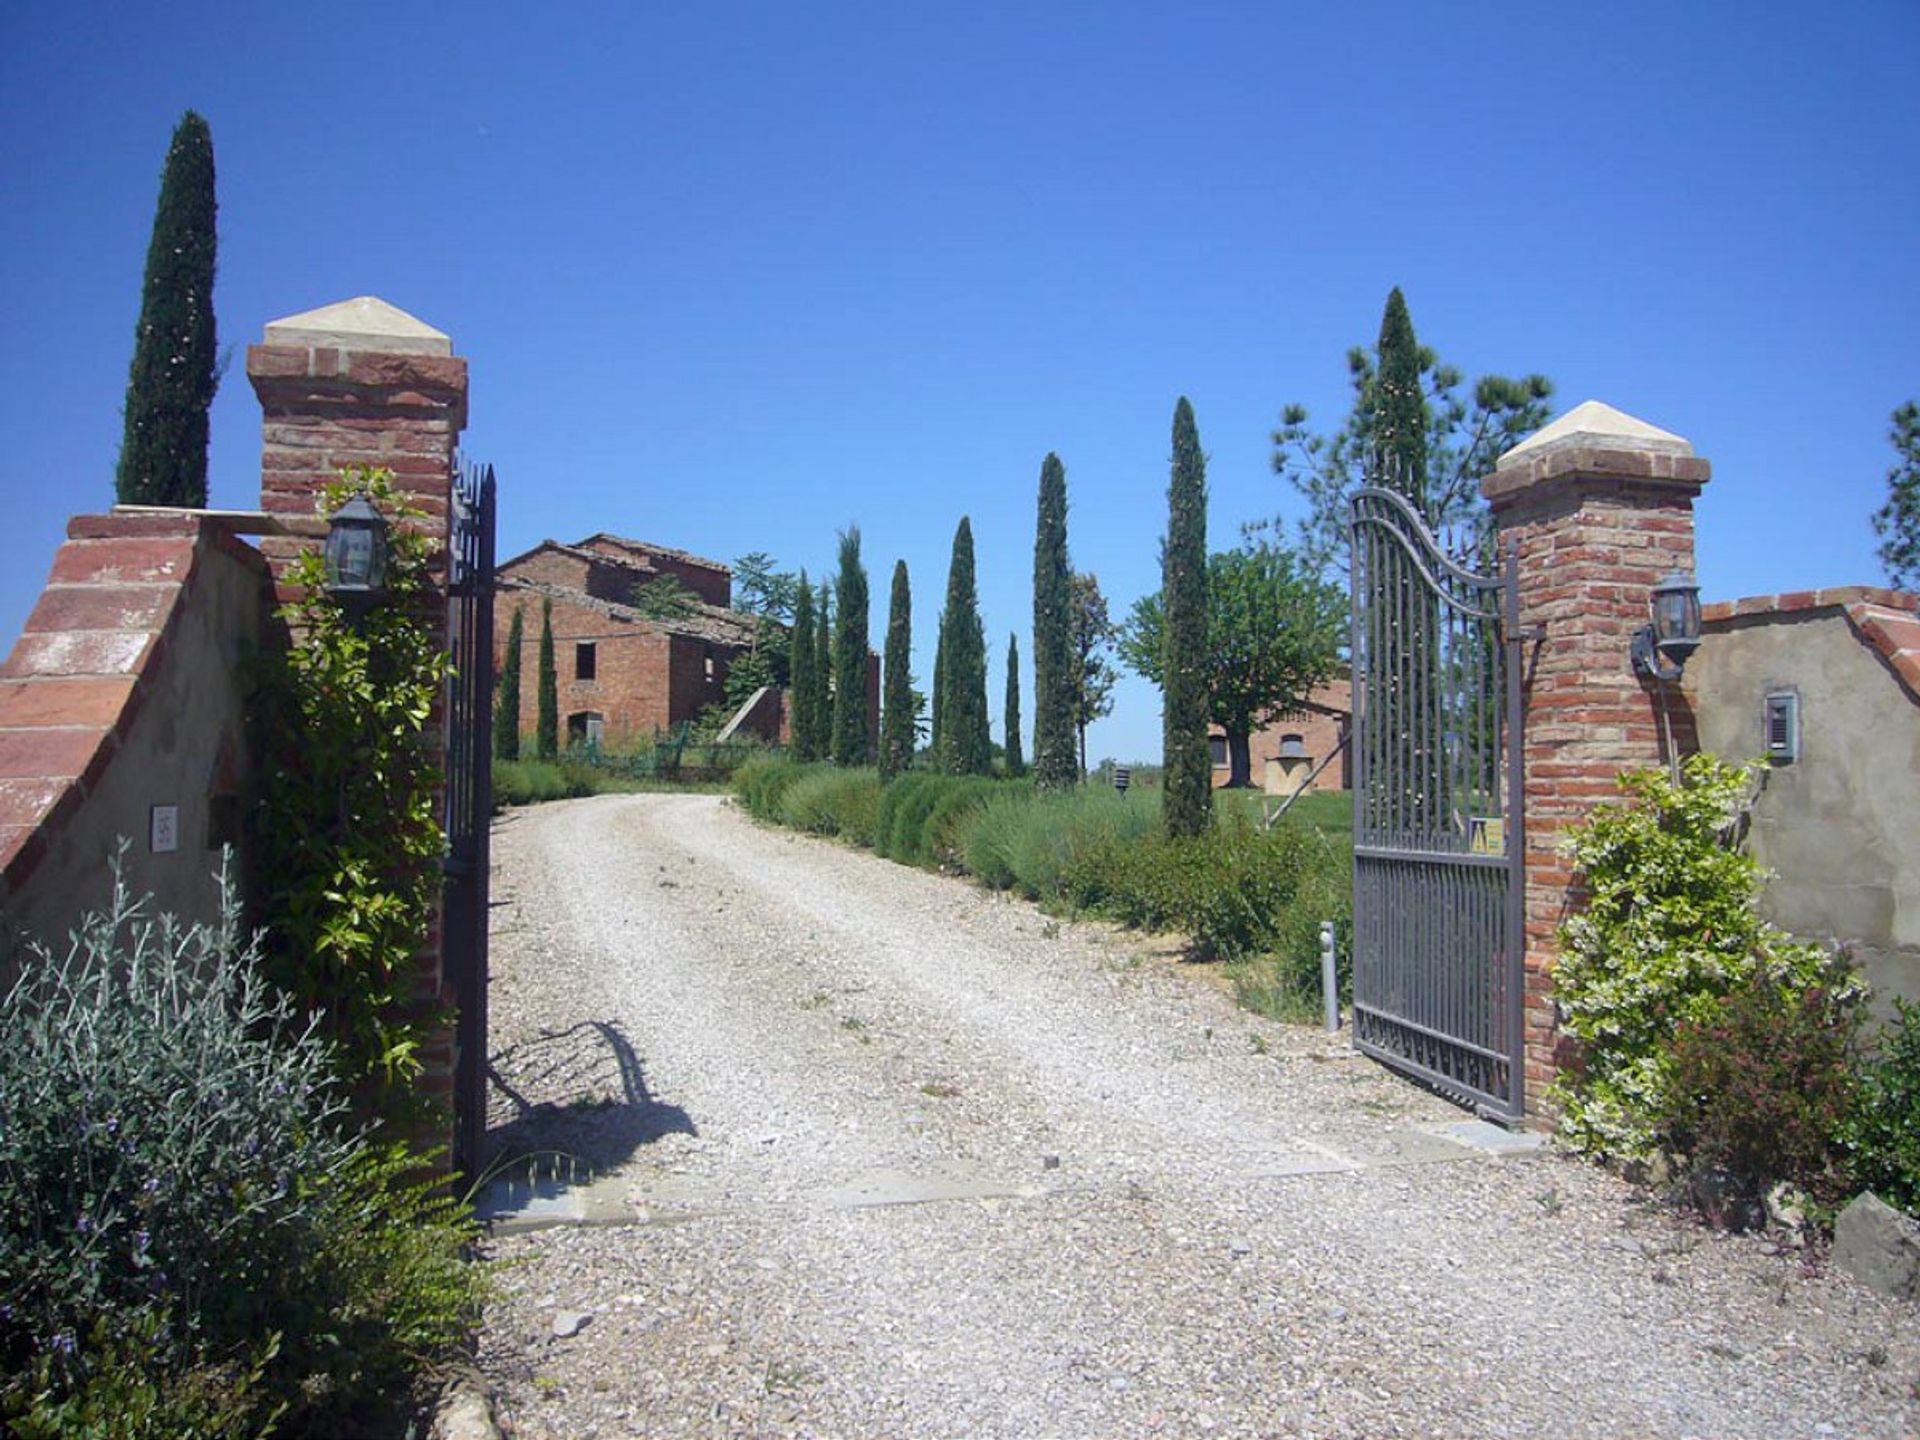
(1016, 762)
(547, 735)
(852, 743)
(1187, 783)
(506, 713)
(967, 748)
(896, 725)
(163, 452)
(805, 737)
(1054, 764)
(821, 700)
(1897, 522)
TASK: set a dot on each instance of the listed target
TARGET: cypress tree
(1016, 763)
(967, 748)
(1400, 407)
(939, 693)
(1410, 649)
(163, 450)
(852, 744)
(1054, 763)
(506, 713)
(821, 701)
(896, 726)
(804, 739)
(547, 735)
(1187, 785)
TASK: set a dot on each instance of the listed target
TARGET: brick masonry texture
(1595, 530)
(80, 674)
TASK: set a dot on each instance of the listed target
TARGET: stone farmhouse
(623, 675)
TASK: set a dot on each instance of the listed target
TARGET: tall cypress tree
(163, 451)
(1016, 762)
(967, 747)
(939, 694)
(805, 735)
(1054, 764)
(1400, 407)
(852, 742)
(547, 735)
(506, 713)
(896, 725)
(822, 698)
(1187, 785)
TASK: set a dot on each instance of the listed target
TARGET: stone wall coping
(365, 322)
(80, 672)
(1887, 621)
(1531, 472)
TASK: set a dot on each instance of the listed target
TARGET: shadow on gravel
(578, 1095)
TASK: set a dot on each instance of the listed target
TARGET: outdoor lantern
(1675, 632)
(356, 555)
(1121, 776)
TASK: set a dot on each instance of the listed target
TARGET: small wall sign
(163, 829)
(1488, 835)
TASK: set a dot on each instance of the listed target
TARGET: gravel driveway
(877, 1154)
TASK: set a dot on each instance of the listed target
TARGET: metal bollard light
(1122, 777)
(1329, 977)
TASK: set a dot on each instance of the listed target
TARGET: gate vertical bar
(1516, 835)
(469, 800)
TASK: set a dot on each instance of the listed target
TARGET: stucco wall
(124, 694)
(1839, 825)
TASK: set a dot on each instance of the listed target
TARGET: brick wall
(1597, 523)
(124, 694)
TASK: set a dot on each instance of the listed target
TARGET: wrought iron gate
(1437, 811)
(469, 799)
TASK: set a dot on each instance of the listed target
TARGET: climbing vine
(346, 832)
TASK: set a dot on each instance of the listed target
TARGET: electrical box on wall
(1783, 726)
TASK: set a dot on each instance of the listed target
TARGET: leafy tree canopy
(1273, 633)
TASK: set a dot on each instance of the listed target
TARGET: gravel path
(1136, 1210)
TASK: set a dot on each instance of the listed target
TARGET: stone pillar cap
(364, 323)
(1594, 425)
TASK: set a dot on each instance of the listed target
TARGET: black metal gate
(469, 800)
(1437, 811)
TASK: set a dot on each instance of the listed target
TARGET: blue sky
(731, 277)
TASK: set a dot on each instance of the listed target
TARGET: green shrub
(1669, 929)
(762, 784)
(1040, 843)
(831, 800)
(1759, 1091)
(907, 840)
(962, 798)
(187, 1234)
(1882, 1133)
(890, 825)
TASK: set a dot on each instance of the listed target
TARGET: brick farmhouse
(1287, 749)
(623, 675)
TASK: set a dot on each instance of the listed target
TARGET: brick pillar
(1600, 506)
(357, 383)
(364, 383)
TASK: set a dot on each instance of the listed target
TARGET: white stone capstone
(1592, 425)
(364, 323)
